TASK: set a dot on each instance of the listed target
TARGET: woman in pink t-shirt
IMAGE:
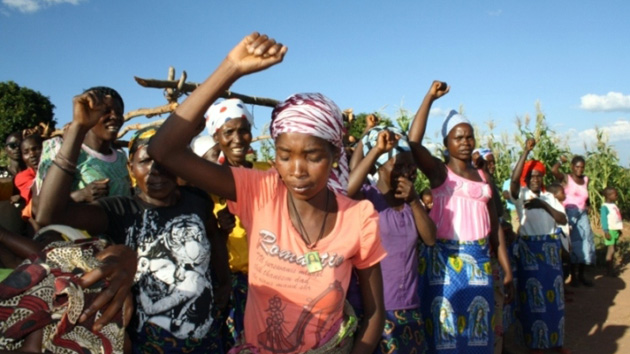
(304, 234)
(459, 303)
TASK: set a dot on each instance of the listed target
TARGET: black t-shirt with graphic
(172, 284)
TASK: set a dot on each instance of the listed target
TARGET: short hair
(554, 188)
(34, 137)
(609, 189)
(426, 191)
(108, 91)
(578, 158)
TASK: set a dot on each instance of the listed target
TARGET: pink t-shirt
(460, 209)
(288, 309)
(577, 194)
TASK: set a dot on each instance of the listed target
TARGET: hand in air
(438, 89)
(530, 144)
(89, 107)
(386, 141)
(256, 52)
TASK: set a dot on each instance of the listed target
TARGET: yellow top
(237, 240)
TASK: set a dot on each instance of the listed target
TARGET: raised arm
(425, 160)
(515, 184)
(555, 169)
(169, 146)
(55, 205)
(385, 143)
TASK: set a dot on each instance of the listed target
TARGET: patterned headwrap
(316, 115)
(452, 119)
(483, 152)
(139, 139)
(531, 165)
(221, 112)
(370, 140)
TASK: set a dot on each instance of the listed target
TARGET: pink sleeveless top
(460, 210)
(576, 194)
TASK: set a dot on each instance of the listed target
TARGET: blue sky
(500, 58)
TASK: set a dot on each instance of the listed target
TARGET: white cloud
(438, 112)
(30, 6)
(612, 101)
(615, 132)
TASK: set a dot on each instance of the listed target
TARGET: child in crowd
(171, 229)
(304, 235)
(427, 199)
(459, 302)
(101, 168)
(403, 223)
(539, 266)
(612, 224)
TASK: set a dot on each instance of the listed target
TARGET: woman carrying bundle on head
(304, 234)
(539, 265)
(459, 303)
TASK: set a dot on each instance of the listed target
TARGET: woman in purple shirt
(402, 219)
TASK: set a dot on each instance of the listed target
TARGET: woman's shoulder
(349, 206)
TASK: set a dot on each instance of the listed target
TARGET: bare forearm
(424, 225)
(56, 188)
(515, 183)
(419, 125)
(360, 172)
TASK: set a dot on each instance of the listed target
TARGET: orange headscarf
(532, 165)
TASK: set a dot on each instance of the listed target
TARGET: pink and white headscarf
(316, 115)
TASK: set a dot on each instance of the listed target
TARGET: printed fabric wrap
(403, 333)
(582, 238)
(223, 111)
(459, 302)
(540, 290)
(317, 115)
(43, 294)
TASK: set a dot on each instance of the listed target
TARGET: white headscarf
(221, 112)
(452, 119)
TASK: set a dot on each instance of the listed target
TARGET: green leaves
(22, 108)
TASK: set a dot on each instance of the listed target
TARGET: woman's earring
(335, 164)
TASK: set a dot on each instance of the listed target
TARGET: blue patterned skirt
(458, 303)
(540, 290)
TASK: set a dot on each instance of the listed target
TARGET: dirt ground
(597, 320)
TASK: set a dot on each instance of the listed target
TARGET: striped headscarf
(370, 140)
(316, 115)
(483, 152)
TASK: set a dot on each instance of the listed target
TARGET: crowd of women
(193, 248)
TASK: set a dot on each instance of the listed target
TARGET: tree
(22, 108)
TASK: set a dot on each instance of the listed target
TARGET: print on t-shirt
(173, 276)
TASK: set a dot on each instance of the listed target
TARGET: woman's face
(460, 141)
(12, 147)
(110, 122)
(304, 163)
(31, 152)
(578, 169)
(401, 165)
(535, 181)
(234, 138)
(154, 181)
